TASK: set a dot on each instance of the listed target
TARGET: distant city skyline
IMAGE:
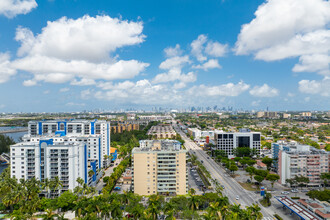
(66, 56)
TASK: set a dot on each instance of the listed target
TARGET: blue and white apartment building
(65, 148)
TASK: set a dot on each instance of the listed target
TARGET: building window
(62, 127)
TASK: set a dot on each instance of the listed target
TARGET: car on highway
(222, 186)
(237, 197)
(294, 190)
(202, 161)
(285, 193)
(305, 190)
(208, 157)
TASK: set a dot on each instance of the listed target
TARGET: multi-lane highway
(232, 189)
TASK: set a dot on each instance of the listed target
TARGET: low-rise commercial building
(162, 131)
(267, 115)
(228, 141)
(197, 134)
(121, 127)
(159, 167)
(321, 209)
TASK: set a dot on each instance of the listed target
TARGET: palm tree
(170, 210)
(208, 216)
(192, 191)
(137, 211)
(91, 173)
(50, 215)
(223, 201)
(194, 202)
(55, 184)
(153, 210)
(256, 211)
(116, 212)
(45, 186)
(214, 209)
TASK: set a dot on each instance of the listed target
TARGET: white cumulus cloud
(84, 48)
(173, 51)
(173, 75)
(229, 89)
(6, 69)
(264, 91)
(11, 8)
(289, 28)
(64, 89)
(210, 64)
(197, 47)
(216, 49)
(321, 87)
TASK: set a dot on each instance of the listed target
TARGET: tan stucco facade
(158, 171)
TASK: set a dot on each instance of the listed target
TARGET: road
(232, 188)
(107, 172)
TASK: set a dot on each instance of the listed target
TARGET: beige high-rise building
(286, 115)
(159, 167)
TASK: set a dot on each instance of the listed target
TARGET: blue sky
(66, 55)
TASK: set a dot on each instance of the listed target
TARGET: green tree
(251, 171)
(262, 173)
(325, 177)
(66, 201)
(272, 178)
(233, 168)
(259, 179)
(5, 143)
(268, 161)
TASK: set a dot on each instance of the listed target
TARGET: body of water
(15, 136)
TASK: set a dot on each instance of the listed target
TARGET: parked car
(285, 192)
(294, 190)
(305, 190)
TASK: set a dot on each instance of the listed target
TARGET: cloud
(140, 92)
(6, 70)
(29, 82)
(264, 91)
(313, 63)
(68, 49)
(173, 75)
(256, 103)
(197, 47)
(216, 49)
(289, 28)
(174, 62)
(315, 87)
(64, 89)
(228, 89)
(75, 104)
(291, 94)
(11, 8)
(83, 82)
(210, 64)
(307, 99)
(86, 94)
(173, 51)
(174, 66)
(46, 92)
